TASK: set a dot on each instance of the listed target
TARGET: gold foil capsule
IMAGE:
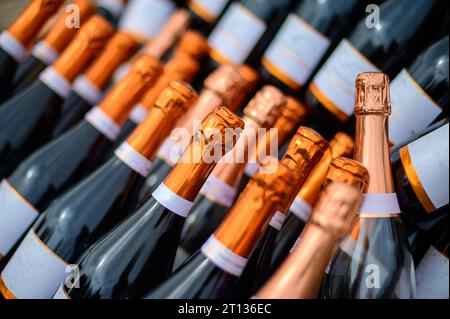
(372, 94)
(266, 106)
(226, 82)
(348, 171)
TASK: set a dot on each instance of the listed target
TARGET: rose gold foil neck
(193, 44)
(60, 35)
(266, 106)
(27, 26)
(90, 39)
(342, 144)
(226, 82)
(177, 24)
(372, 94)
(335, 212)
(147, 68)
(348, 171)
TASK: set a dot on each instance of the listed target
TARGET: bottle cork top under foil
(372, 94)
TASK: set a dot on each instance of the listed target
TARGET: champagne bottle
(303, 40)
(304, 152)
(15, 41)
(27, 118)
(244, 31)
(420, 171)
(219, 191)
(301, 274)
(82, 214)
(47, 51)
(181, 67)
(147, 240)
(294, 114)
(87, 90)
(212, 272)
(111, 10)
(204, 14)
(422, 90)
(373, 45)
(375, 260)
(144, 18)
(286, 233)
(221, 87)
(61, 163)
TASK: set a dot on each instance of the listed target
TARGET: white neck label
(16, 216)
(45, 53)
(221, 192)
(379, 205)
(34, 271)
(138, 114)
(103, 123)
(56, 82)
(172, 201)
(87, 90)
(135, 160)
(12, 46)
(277, 220)
(223, 257)
(301, 209)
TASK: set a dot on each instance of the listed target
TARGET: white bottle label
(412, 109)
(138, 114)
(301, 209)
(103, 123)
(295, 52)
(208, 9)
(135, 160)
(87, 90)
(277, 220)
(56, 82)
(34, 271)
(218, 191)
(379, 205)
(236, 34)
(16, 216)
(223, 257)
(45, 53)
(12, 46)
(114, 6)
(432, 276)
(145, 18)
(334, 84)
(61, 293)
(429, 164)
(172, 201)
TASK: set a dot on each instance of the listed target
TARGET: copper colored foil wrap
(306, 149)
(301, 274)
(348, 171)
(189, 175)
(372, 94)
(27, 26)
(181, 68)
(341, 145)
(171, 31)
(118, 50)
(118, 103)
(170, 105)
(251, 80)
(266, 106)
(248, 218)
(193, 44)
(292, 116)
(91, 38)
(60, 35)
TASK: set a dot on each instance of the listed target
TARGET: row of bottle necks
(418, 94)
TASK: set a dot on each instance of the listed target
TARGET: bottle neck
(372, 150)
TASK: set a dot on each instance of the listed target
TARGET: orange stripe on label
(202, 12)
(219, 57)
(327, 103)
(413, 178)
(19, 195)
(46, 247)
(7, 294)
(279, 74)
